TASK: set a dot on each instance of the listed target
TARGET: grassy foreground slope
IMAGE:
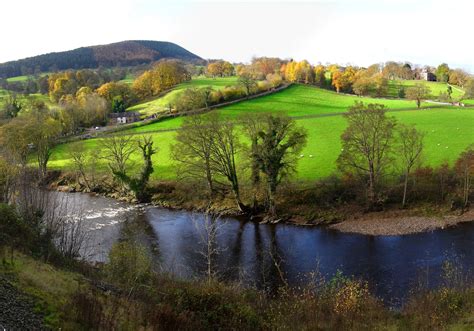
(161, 104)
(448, 130)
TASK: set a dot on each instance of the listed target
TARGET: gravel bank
(400, 224)
(17, 310)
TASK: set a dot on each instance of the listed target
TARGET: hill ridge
(122, 53)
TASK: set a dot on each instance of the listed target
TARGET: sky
(337, 31)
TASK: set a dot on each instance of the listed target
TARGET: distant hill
(125, 53)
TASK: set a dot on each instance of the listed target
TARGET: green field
(297, 100)
(161, 104)
(448, 130)
(435, 87)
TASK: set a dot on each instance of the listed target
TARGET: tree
(117, 91)
(12, 106)
(367, 144)
(458, 77)
(223, 153)
(362, 85)
(410, 149)
(469, 89)
(278, 142)
(465, 170)
(442, 73)
(117, 152)
(44, 136)
(247, 82)
(193, 150)
(162, 77)
(139, 185)
(418, 93)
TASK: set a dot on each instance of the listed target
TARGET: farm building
(124, 118)
(428, 76)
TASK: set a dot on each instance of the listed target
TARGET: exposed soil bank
(391, 224)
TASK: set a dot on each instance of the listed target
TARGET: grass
(435, 87)
(448, 130)
(51, 287)
(160, 104)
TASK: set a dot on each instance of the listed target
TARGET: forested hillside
(125, 53)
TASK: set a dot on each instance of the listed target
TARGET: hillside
(448, 129)
(125, 53)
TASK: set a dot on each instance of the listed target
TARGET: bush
(129, 265)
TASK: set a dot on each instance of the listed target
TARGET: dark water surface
(261, 255)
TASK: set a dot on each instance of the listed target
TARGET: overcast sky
(341, 31)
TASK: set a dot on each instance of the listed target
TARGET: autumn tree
(367, 145)
(275, 80)
(115, 92)
(320, 75)
(264, 66)
(363, 83)
(458, 77)
(163, 76)
(469, 89)
(278, 141)
(418, 93)
(220, 69)
(410, 150)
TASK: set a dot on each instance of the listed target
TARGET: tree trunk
(405, 186)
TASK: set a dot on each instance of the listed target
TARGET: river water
(265, 256)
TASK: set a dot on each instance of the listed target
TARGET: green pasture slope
(160, 104)
(448, 130)
(436, 88)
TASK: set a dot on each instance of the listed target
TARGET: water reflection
(263, 255)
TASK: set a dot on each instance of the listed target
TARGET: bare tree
(367, 144)
(78, 154)
(117, 152)
(208, 231)
(223, 153)
(193, 150)
(410, 149)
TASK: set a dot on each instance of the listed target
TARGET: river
(265, 256)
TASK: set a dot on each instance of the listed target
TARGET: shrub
(129, 265)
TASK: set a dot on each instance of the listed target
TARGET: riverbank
(344, 218)
(392, 223)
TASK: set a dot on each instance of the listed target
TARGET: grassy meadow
(436, 88)
(448, 130)
(162, 103)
